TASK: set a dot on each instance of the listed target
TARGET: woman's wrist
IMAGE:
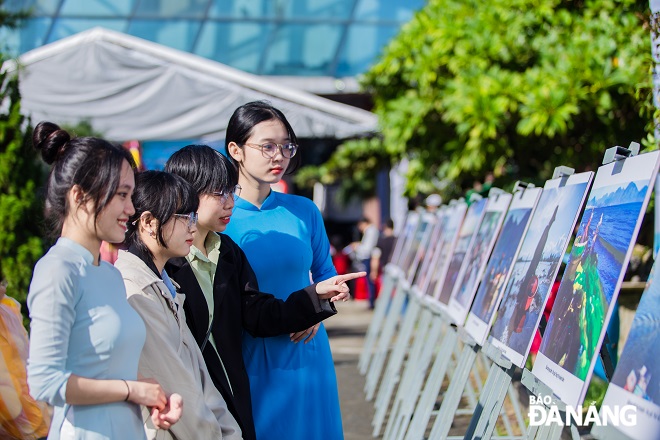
(128, 390)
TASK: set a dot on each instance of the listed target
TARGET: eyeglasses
(269, 149)
(226, 195)
(191, 218)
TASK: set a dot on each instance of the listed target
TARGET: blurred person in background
(364, 250)
(21, 417)
(383, 252)
(433, 202)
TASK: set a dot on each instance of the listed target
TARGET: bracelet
(127, 389)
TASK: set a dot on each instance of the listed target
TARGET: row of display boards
(464, 295)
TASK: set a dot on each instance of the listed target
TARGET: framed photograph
(420, 241)
(499, 265)
(537, 264)
(475, 261)
(636, 380)
(452, 221)
(466, 234)
(430, 255)
(401, 237)
(593, 275)
(406, 238)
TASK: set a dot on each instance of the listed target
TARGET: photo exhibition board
(636, 380)
(466, 235)
(424, 274)
(454, 216)
(406, 238)
(593, 275)
(500, 263)
(428, 221)
(475, 261)
(537, 264)
(399, 243)
(656, 235)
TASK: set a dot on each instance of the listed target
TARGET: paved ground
(346, 331)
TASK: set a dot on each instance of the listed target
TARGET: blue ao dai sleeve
(51, 301)
(322, 267)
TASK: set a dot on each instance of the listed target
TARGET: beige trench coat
(172, 357)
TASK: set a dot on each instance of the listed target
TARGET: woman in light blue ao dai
(85, 339)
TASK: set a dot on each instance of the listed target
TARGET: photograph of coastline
(465, 238)
(475, 261)
(499, 265)
(593, 275)
(537, 264)
(637, 375)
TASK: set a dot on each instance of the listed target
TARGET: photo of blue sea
(595, 265)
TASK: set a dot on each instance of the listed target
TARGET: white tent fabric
(129, 88)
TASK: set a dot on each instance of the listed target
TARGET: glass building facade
(312, 38)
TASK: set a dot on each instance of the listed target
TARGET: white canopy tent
(129, 88)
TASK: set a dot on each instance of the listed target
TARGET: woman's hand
(168, 416)
(335, 288)
(306, 335)
(146, 392)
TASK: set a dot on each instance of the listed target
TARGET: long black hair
(91, 163)
(163, 195)
(245, 117)
(206, 169)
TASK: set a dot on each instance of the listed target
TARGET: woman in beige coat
(162, 228)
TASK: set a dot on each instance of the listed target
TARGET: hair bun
(51, 140)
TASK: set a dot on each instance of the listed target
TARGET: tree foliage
(358, 158)
(513, 87)
(12, 19)
(21, 177)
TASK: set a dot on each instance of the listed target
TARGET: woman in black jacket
(217, 272)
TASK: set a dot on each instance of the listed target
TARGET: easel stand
(458, 382)
(492, 397)
(428, 334)
(391, 276)
(391, 376)
(385, 338)
(424, 408)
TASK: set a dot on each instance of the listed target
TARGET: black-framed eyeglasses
(269, 149)
(191, 218)
(226, 195)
